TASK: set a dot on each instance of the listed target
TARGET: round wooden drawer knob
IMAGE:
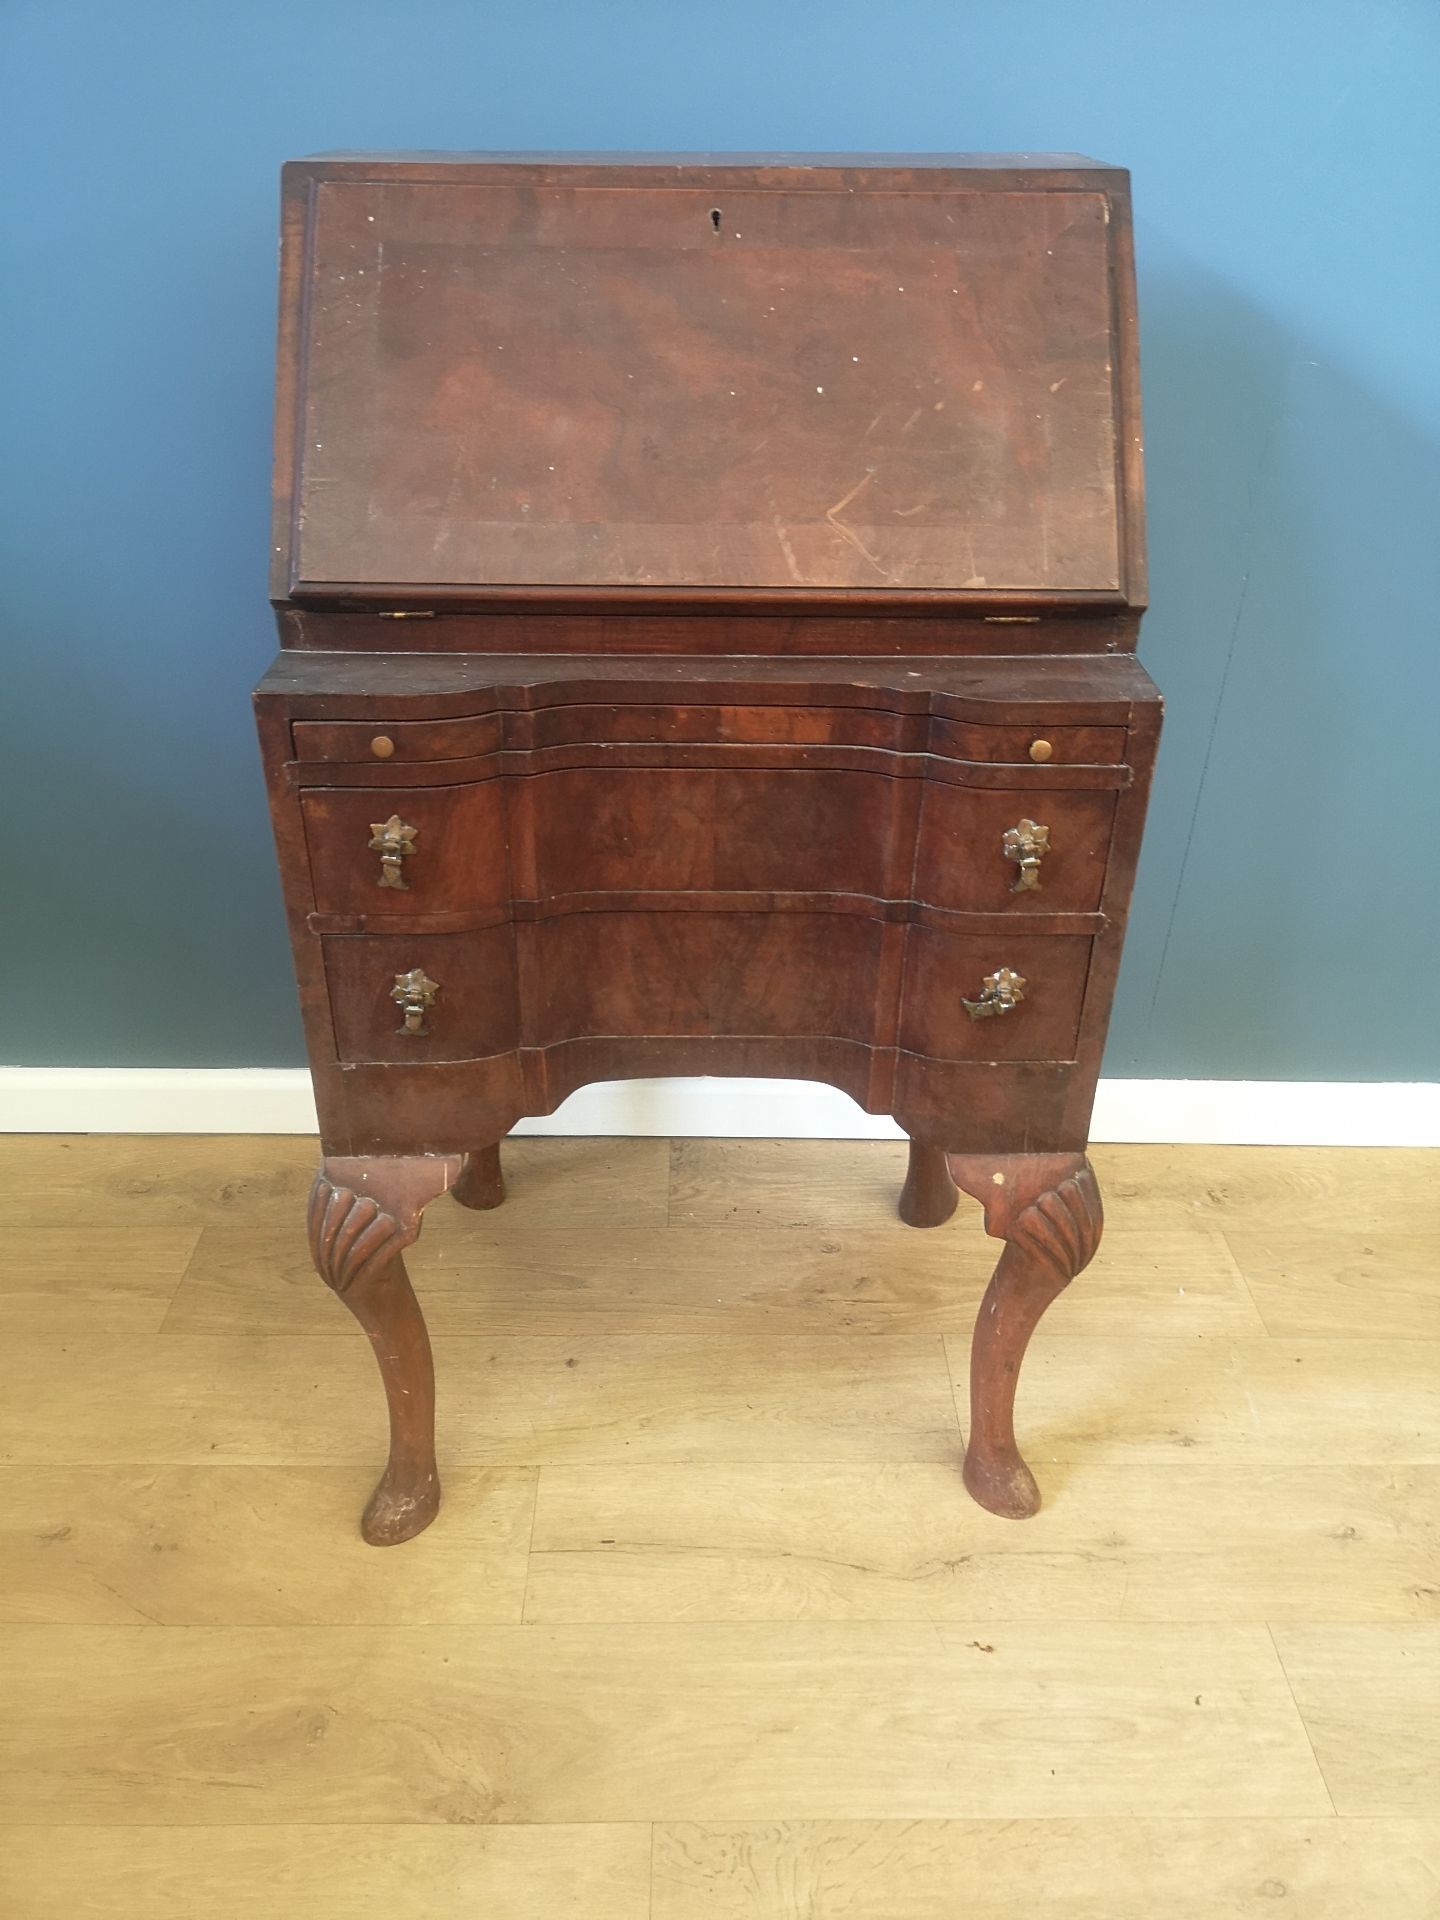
(382, 746)
(1040, 749)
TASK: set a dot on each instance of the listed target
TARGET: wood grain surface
(691, 380)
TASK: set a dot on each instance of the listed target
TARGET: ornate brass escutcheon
(1028, 843)
(1000, 992)
(392, 840)
(414, 993)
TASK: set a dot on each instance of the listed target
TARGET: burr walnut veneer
(708, 591)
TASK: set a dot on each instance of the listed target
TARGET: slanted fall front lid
(796, 382)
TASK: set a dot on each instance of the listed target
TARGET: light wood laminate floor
(708, 1628)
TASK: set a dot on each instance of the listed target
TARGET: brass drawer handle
(392, 840)
(1000, 992)
(414, 993)
(1028, 843)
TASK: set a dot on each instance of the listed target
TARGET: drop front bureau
(708, 591)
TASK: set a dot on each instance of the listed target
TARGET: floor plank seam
(1245, 1282)
(530, 1546)
(1304, 1723)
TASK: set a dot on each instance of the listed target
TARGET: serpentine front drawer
(426, 998)
(358, 742)
(382, 853)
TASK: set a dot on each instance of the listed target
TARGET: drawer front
(466, 736)
(604, 830)
(356, 741)
(1030, 746)
(396, 851)
(719, 725)
(943, 971)
(781, 976)
(474, 1011)
(989, 850)
(417, 1000)
(444, 852)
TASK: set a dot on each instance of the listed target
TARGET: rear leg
(929, 1195)
(482, 1182)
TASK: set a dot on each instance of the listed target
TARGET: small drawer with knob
(408, 999)
(384, 852)
(996, 850)
(1038, 746)
(397, 742)
(993, 996)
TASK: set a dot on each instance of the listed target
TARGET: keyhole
(715, 218)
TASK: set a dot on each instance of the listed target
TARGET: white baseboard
(278, 1100)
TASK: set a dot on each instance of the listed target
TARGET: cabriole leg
(363, 1214)
(482, 1183)
(929, 1195)
(1046, 1208)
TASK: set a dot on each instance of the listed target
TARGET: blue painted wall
(1285, 160)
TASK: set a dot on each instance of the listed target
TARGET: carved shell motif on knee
(1062, 1226)
(351, 1234)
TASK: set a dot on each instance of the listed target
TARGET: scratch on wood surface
(845, 499)
(787, 550)
(832, 514)
(460, 470)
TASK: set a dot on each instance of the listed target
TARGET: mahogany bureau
(708, 591)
